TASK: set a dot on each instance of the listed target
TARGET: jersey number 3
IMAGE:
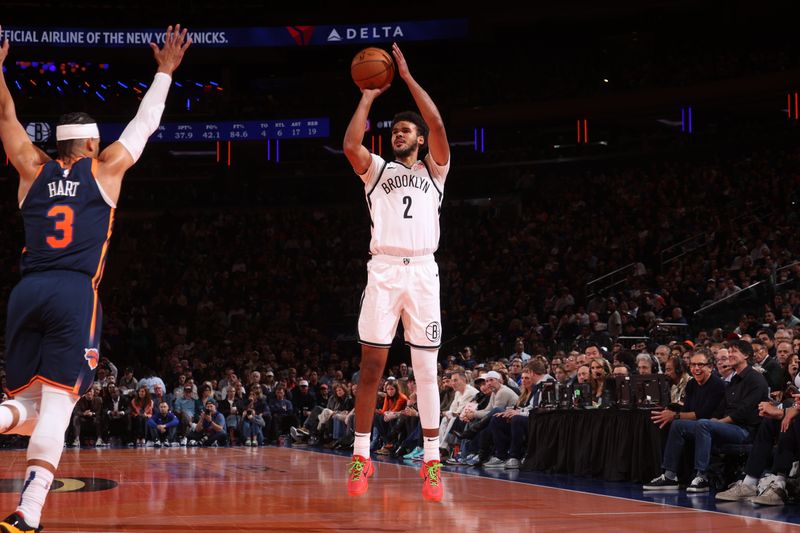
(64, 216)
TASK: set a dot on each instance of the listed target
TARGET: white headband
(77, 131)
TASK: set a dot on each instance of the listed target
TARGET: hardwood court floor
(284, 489)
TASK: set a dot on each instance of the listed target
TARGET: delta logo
(301, 34)
(366, 33)
(92, 356)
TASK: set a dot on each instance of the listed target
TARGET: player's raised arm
(122, 155)
(438, 146)
(354, 148)
(22, 153)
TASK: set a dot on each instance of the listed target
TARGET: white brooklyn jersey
(404, 205)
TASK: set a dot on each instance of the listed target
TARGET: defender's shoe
(16, 524)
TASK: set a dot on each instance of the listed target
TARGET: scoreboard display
(244, 130)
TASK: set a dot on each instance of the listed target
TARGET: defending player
(404, 197)
(54, 316)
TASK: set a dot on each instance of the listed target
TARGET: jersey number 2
(407, 203)
(64, 216)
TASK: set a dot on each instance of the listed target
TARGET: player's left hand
(400, 61)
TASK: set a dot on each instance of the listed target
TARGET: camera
(207, 411)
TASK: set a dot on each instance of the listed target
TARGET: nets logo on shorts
(433, 331)
(92, 356)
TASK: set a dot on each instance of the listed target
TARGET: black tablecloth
(616, 445)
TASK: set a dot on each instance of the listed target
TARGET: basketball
(372, 68)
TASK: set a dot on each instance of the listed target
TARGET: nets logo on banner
(301, 34)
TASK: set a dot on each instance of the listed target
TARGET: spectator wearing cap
(501, 398)
(269, 382)
(509, 429)
(303, 400)
(210, 429)
(736, 417)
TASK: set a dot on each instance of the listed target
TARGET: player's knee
(20, 415)
(370, 371)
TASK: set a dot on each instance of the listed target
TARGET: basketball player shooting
(54, 316)
(404, 197)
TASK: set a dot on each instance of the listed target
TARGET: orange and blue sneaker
(16, 524)
(432, 488)
(359, 471)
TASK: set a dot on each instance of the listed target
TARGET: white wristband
(147, 117)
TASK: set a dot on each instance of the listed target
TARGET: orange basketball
(372, 68)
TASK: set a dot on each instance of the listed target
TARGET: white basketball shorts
(401, 287)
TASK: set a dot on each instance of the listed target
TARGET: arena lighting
(686, 119)
(478, 147)
(584, 130)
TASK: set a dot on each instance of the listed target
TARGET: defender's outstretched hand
(4, 48)
(170, 55)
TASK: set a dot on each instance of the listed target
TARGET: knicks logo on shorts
(92, 356)
(433, 331)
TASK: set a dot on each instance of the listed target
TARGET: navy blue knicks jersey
(68, 221)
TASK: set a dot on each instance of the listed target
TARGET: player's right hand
(371, 94)
(170, 55)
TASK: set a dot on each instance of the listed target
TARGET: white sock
(361, 445)
(670, 475)
(431, 449)
(750, 481)
(34, 492)
(780, 481)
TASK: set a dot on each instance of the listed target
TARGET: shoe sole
(434, 499)
(731, 498)
(771, 504)
(661, 489)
